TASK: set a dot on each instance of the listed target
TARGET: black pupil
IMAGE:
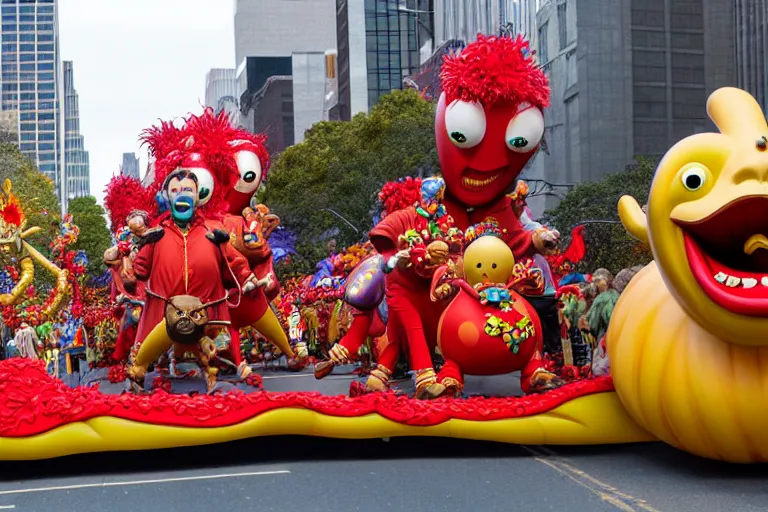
(693, 181)
(249, 176)
(479, 265)
(204, 193)
(458, 137)
(494, 265)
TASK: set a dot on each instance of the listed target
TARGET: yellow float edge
(590, 420)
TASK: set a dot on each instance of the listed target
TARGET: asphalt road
(305, 474)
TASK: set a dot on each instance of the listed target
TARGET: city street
(305, 474)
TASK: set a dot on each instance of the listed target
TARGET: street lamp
(337, 214)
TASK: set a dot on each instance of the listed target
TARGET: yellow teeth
(734, 282)
(754, 243)
(479, 183)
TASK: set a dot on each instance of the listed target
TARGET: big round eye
(525, 130)
(204, 184)
(465, 123)
(250, 171)
(694, 178)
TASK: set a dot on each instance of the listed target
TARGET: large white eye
(694, 178)
(204, 184)
(525, 130)
(250, 171)
(465, 123)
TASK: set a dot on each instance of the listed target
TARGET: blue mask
(183, 207)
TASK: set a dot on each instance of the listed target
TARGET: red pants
(412, 324)
(365, 324)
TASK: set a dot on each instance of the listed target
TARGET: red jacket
(188, 264)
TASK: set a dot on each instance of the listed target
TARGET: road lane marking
(143, 482)
(7, 507)
(606, 492)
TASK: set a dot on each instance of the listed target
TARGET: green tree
(94, 237)
(608, 245)
(342, 165)
(37, 195)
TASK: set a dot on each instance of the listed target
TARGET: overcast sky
(136, 61)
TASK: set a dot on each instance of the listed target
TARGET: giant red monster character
(239, 163)
(188, 254)
(413, 242)
(489, 124)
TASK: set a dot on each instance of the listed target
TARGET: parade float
(467, 274)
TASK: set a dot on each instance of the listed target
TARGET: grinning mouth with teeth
(476, 181)
(728, 255)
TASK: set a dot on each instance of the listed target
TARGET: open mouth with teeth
(728, 255)
(476, 181)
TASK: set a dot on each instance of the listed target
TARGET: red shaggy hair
(123, 195)
(494, 69)
(399, 195)
(162, 139)
(213, 134)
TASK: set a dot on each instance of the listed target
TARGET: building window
(46, 96)
(27, 19)
(45, 26)
(562, 24)
(27, 116)
(543, 57)
(28, 127)
(26, 37)
(7, 11)
(27, 67)
(9, 18)
(10, 96)
(46, 127)
(45, 38)
(27, 96)
(46, 146)
(9, 37)
(28, 147)
(9, 87)
(45, 57)
(45, 105)
(48, 167)
(27, 57)
(45, 9)
(47, 136)
(27, 27)
(27, 47)
(27, 77)
(28, 136)
(26, 86)
(9, 47)
(45, 47)
(45, 77)
(45, 116)
(46, 86)
(45, 66)
(44, 17)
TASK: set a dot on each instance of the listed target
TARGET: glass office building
(30, 83)
(76, 159)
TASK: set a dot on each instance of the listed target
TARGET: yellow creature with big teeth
(688, 340)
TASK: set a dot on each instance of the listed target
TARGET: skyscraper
(462, 20)
(628, 78)
(221, 92)
(32, 86)
(76, 160)
(130, 165)
(380, 43)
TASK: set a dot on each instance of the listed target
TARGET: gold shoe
(378, 380)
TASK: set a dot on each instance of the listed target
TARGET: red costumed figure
(241, 159)
(413, 243)
(365, 288)
(489, 124)
(186, 254)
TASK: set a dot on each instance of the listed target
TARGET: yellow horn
(736, 112)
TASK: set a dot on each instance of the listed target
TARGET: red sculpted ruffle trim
(32, 402)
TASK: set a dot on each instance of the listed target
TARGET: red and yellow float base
(40, 417)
